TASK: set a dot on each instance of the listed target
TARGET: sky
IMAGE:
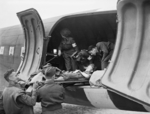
(48, 8)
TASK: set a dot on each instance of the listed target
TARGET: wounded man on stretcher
(86, 66)
(61, 75)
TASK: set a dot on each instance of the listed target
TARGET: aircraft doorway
(86, 29)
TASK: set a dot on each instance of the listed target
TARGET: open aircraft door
(34, 42)
(128, 73)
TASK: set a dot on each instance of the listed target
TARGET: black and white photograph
(74, 56)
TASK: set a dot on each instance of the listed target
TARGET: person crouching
(15, 99)
(51, 95)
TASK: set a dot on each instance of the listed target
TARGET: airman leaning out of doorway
(105, 49)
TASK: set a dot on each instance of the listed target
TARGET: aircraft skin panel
(49, 23)
(100, 97)
(10, 55)
(129, 70)
(85, 95)
(12, 40)
(11, 31)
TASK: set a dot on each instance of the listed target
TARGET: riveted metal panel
(129, 71)
(34, 35)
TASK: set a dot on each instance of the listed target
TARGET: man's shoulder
(99, 44)
(18, 91)
(50, 87)
(58, 88)
(58, 85)
(13, 91)
(13, 88)
(55, 85)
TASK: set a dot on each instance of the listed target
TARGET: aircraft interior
(86, 30)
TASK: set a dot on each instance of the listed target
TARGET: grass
(77, 109)
(68, 109)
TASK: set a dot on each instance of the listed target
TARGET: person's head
(92, 50)
(65, 33)
(11, 77)
(50, 72)
(44, 67)
(47, 65)
(83, 56)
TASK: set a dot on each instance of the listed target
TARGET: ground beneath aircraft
(76, 109)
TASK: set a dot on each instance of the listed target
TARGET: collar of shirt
(11, 85)
(50, 81)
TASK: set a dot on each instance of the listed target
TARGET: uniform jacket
(12, 104)
(107, 48)
(51, 96)
(68, 45)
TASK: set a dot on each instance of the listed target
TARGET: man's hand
(22, 84)
(74, 54)
(35, 86)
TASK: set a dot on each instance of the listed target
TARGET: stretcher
(72, 82)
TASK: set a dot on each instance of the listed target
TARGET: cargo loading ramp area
(129, 70)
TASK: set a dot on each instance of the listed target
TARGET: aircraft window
(11, 51)
(2, 50)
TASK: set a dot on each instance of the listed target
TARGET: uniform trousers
(104, 64)
(70, 63)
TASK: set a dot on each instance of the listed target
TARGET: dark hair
(50, 71)
(65, 32)
(82, 56)
(7, 74)
(90, 47)
(84, 53)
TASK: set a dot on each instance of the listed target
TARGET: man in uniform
(51, 95)
(15, 99)
(107, 50)
(85, 68)
(96, 57)
(67, 48)
(104, 51)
